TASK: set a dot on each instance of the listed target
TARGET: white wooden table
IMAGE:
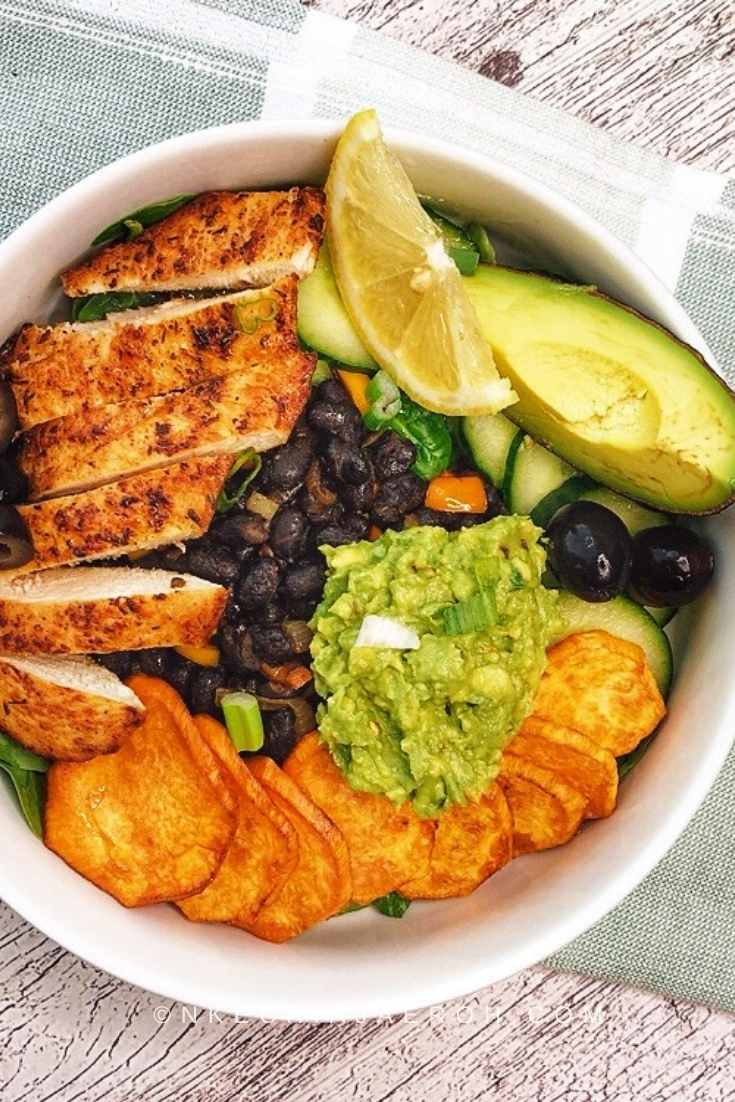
(657, 72)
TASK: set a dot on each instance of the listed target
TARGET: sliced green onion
(385, 401)
(478, 235)
(243, 720)
(475, 614)
(392, 905)
(134, 227)
(249, 317)
(322, 372)
(248, 459)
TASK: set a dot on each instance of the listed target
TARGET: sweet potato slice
(472, 841)
(546, 812)
(320, 884)
(601, 686)
(262, 853)
(152, 821)
(574, 758)
(387, 844)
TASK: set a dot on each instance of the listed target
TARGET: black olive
(154, 662)
(203, 686)
(289, 532)
(396, 497)
(280, 734)
(239, 531)
(213, 563)
(342, 421)
(120, 662)
(15, 545)
(271, 643)
(285, 467)
(590, 550)
(392, 455)
(671, 566)
(8, 416)
(13, 483)
(348, 462)
(237, 649)
(179, 672)
(259, 584)
(303, 580)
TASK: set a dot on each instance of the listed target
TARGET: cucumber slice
(635, 517)
(565, 494)
(489, 440)
(536, 473)
(662, 616)
(625, 619)
(323, 322)
(510, 462)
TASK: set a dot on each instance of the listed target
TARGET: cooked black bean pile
(330, 482)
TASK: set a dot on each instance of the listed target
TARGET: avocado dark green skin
(574, 459)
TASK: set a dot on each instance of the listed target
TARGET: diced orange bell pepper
(290, 674)
(356, 383)
(374, 533)
(206, 655)
(451, 493)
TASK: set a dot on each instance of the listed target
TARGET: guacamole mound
(429, 725)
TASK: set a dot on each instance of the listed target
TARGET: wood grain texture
(657, 72)
(660, 73)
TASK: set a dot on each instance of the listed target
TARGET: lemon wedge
(403, 293)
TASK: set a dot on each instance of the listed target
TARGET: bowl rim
(442, 984)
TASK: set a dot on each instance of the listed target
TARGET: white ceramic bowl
(362, 964)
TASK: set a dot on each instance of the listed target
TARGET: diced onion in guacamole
(429, 724)
(382, 631)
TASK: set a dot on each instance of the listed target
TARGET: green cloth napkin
(84, 81)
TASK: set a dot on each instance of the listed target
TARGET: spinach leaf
(430, 435)
(30, 788)
(251, 461)
(130, 225)
(97, 307)
(393, 905)
(17, 757)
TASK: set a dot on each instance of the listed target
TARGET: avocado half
(610, 391)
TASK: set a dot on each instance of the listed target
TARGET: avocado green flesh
(429, 725)
(611, 392)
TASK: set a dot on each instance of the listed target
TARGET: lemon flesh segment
(402, 291)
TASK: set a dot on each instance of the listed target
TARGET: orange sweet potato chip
(320, 884)
(601, 686)
(472, 841)
(574, 758)
(545, 811)
(387, 844)
(152, 821)
(262, 853)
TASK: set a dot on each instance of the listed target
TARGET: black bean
(348, 530)
(241, 683)
(240, 531)
(288, 534)
(358, 499)
(213, 563)
(343, 420)
(348, 462)
(271, 643)
(154, 661)
(202, 688)
(392, 455)
(172, 557)
(280, 734)
(396, 497)
(259, 584)
(271, 613)
(305, 579)
(236, 647)
(179, 672)
(151, 561)
(121, 663)
(285, 467)
(331, 390)
(303, 609)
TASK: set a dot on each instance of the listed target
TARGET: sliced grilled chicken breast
(54, 370)
(98, 609)
(69, 709)
(219, 239)
(253, 409)
(166, 505)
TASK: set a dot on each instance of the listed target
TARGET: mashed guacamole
(429, 724)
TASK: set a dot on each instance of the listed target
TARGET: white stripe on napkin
(291, 85)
